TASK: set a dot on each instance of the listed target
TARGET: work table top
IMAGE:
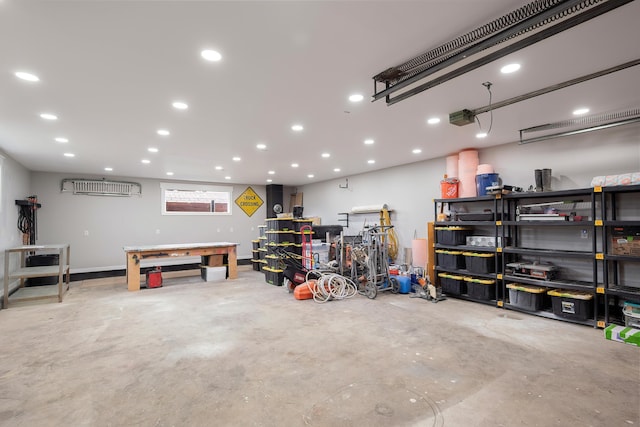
(177, 246)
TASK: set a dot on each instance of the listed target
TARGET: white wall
(114, 222)
(14, 185)
(409, 190)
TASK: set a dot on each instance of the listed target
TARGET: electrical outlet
(157, 231)
(231, 229)
(85, 233)
(218, 230)
(584, 234)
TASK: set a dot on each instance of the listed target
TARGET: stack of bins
(280, 233)
(255, 254)
(262, 247)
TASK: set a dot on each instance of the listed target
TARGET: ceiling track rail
(395, 78)
(548, 89)
(93, 187)
(589, 124)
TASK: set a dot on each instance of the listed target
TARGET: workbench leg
(133, 272)
(233, 263)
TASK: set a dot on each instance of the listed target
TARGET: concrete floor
(244, 353)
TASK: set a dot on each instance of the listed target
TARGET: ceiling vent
(95, 187)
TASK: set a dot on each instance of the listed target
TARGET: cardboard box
(625, 241)
(213, 274)
(623, 334)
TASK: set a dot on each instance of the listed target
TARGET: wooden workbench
(214, 251)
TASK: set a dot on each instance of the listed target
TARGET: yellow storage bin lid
(443, 251)
(450, 276)
(570, 294)
(273, 270)
(525, 288)
(479, 254)
(481, 281)
(453, 228)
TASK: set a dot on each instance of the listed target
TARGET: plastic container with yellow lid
(526, 297)
(574, 305)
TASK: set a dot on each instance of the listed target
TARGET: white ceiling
(111, 69)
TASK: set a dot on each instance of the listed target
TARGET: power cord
(330, 286)
(488, 86)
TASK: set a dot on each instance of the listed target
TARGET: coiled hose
(330, 286)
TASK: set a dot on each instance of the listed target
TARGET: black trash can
(40, 261)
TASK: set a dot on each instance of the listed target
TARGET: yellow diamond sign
(249, 201)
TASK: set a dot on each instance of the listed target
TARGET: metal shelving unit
(23, 272)
(620, 208)
(555, 240)
(490, 228)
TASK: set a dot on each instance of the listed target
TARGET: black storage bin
(298, 236)
(255, 244)
(482, 263)
(274, 262)
(452, 236)
(526, 297)
(574, 305)
(452, 284)
(481, 289)
(279, 224)
(256, 264)
(41, 261)
(280, 237)
(299, 223)
(450, 259)
(274, 277)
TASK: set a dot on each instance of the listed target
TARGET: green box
(623, 334)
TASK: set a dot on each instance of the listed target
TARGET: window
(192, 199)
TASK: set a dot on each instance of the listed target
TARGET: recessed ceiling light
(145, 161)
(163, 132)
(152, 150)
(434, 120)
(61, 140)
(417, 151)
(371, 161)
(356, 97)
(179, 105)
(170, 173)
(261, 146)
(69, 155)
(219, 168)
(310, 175)
(27, 76)
(326, 155)
(369, 141)
(211, 55)
(236, 159)
(297, 128)
(271, 172)
(49, 116)
(269, 180)
(336, 169)
(294, 165)
(580, 111)
(510, 68)
(227, 177)
(108, 169)
(481, 135)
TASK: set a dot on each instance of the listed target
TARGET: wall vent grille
(91, 187)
